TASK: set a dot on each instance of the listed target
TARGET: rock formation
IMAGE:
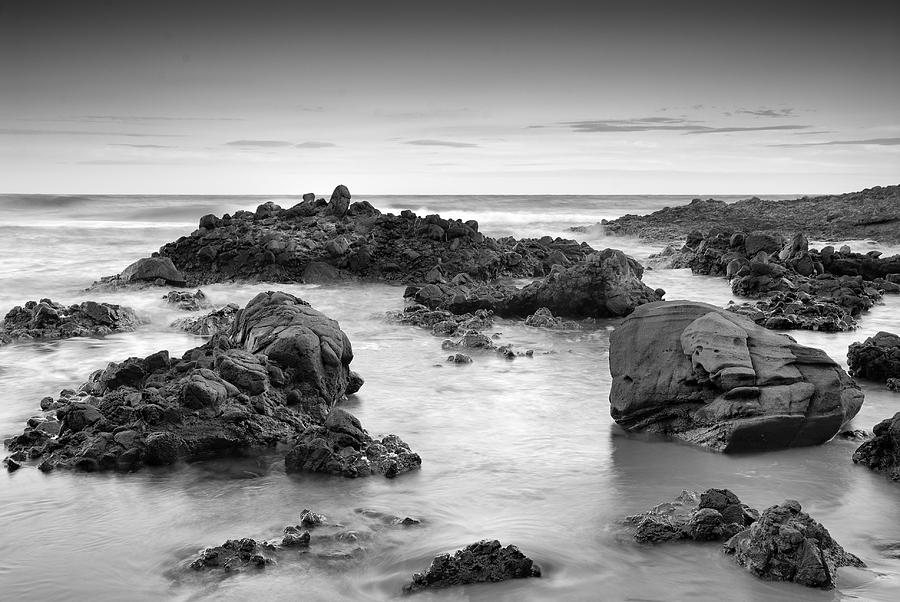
(876, 358)
(882, 452)
(484, 561)
(45, 319)
(714, 379)
(186, 301)
(215, 322)
(278, 373)
(714, 515)
(785, 544)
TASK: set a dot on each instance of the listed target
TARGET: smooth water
(522, 450)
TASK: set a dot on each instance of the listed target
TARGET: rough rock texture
(281, 369)
(882, 452)
(342, 447)
(714, 515)
(188, 301)
(871, 213)
(876, 358)
(153, 269)
(218, 321)
(313, 540)
(605, 284)
(714, 379)
(785, 544)
(893, 384)
(45, 319)
(544, 318)
(441, 322)
(484, 561)
(317, 240)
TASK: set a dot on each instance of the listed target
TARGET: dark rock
(713, 379)
(785, 544)
(218, 321)
(543, 318)
(481, 562)
(153, 268)
(187, 301)
(49, 320)
(882, 452)
(876, 358)
(715, 515)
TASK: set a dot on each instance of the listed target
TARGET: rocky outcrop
(544, 318)
(186, 301)
(871, 213)
(45, 319)
(882, 452)
(155, 270)
(218, 321)
(481, 562)
(441, 322)
(341, 446)
(714, 379)
(317, 240)
(714, 515)
(279, 372)
(786, 544)
(876, 358)
(605, 284)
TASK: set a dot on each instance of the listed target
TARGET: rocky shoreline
(273, 374)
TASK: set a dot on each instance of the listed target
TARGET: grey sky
(403, 97)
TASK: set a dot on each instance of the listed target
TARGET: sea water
(521, 450)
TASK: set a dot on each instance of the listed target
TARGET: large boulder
(480, 562)
(153, 268)
(882, 452)
(876, 358)
(715, 379)
(786, 544)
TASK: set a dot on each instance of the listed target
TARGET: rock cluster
(186, 301)
(279, 371)
(714, 515)
(882, 452)
(442, 322)
(786, 544)
(871, 213)
(319, 240)
(876, 358)
(45, 319)
(606, 284)
(544, 318)
(714, 379)
(480, 562)
(218, 321)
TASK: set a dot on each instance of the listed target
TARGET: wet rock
(459, 358)
(714, 515)
(153, 269)
(45, 319)
(876, 358)
(188, 301)
(481, 562)
(235, 555)
(714, 379)
(786, 544)
(218, 321)
(543, 318)
(882, 452)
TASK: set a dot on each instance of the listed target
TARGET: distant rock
(786, 544)
(218, 321)
(188, 301)
(714, 379)
(714, 515)
(153, 269)
(481, 562)
(47, 320)
(544, 318)
(882, 452)
(877, 358)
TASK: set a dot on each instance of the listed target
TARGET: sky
(277, 97)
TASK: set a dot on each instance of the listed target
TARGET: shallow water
(522, 450)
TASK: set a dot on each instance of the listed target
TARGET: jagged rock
(218, 321)
(277, 374)
(543, 318)
(188, 301)
(45, 319)
(786, 544)
(714, 379)
(876, 358)
(459, 358)
(714, 515)
(893, 384)
(484, 561)
(342, 447)
(882, 452)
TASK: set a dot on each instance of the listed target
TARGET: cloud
(447, 143)
(33, 132)
(148, 118)
(869, 141)
(260, 143)
(762, 112)
(314, 144)
(769, 128)
(642, 124)
(143, 145)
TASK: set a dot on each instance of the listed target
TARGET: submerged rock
(277, 374)
(188, 301)
(714, 515)
(714, 379)
(786, 544)
(882, 452)
(484, 561)
(876, 358)
(45, 319)
(544, 318)
(218, 321)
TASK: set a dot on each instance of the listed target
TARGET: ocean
(523, 451)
